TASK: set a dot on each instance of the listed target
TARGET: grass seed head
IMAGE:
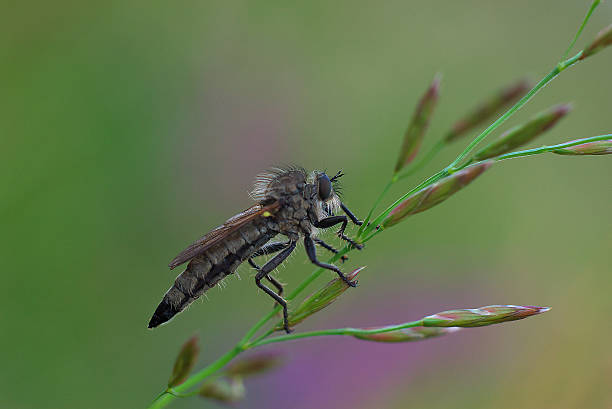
(525, 133)
(406, 334)
(319, 299)
(488, 109)
(479, 317)
(602, 40)
(184, 362)
(588, 148)
(413, 137)
(435, 193)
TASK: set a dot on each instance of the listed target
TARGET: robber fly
(290, 202)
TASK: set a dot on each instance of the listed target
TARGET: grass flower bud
(587, 148)
(184, 362)
(405, 334)
(319, 299)
(413, 137)
(435, 193)
(602, 40)
(523, 134)
(487, 109)
(480, 317)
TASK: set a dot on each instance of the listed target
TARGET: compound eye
(325, 187)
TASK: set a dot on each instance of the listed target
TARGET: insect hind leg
(265, 270)
(270, 248)
(276, 284)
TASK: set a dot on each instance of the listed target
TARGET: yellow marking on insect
(266, 214)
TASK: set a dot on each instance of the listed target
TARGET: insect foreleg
(328, 247)
(267, 268)
(332, 221)
(312, 255)
(350, 214)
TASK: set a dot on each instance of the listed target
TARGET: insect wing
(221, 232)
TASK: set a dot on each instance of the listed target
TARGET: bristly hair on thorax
(265, 179)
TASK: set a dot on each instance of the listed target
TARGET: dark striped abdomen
(207, 269)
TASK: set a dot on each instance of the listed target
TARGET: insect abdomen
(206, 270)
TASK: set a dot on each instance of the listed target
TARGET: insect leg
(269, 249)
(263, 272)
(312, 255)
(332, 221)
(252, 263)
(276, 284)
(350, 214)
(328, 247)
(271, 279)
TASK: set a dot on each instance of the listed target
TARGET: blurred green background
(130, 128)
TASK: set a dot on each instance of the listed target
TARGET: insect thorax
(294, 189)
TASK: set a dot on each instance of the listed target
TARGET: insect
(290, 202)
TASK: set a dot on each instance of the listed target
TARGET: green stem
(376, 203)
(432, 179)
(550, 148)
(264, 335)
(335, 331)
(444, 172)
(397, 177)
(511, 155)
(584, 23)
(167, 397)
(313, 276)
(543, 82)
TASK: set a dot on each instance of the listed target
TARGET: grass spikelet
(523, 134)
(488, 109)
(434, 194)
(413, 137)
(483, 316)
